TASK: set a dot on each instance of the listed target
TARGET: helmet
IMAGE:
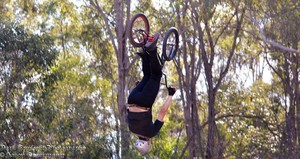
(143, 146)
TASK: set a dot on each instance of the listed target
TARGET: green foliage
(99, 148)
(25, 59)
(30, 52)
(59, 74)
(252, 121)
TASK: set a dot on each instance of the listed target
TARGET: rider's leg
(147, 90)
(155, 65)
(151, 88)
(132, 98)
(146, 70)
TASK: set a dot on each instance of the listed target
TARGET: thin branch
(249, 116)
(224, 28)
(101, 11)
(274, 70)
(177, 141)
(186, 146)
(265, 39)
(236, 34)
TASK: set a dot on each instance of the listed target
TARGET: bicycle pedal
(151, 38)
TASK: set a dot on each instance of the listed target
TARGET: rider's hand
(171, 91)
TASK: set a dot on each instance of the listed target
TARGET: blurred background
(67, 68)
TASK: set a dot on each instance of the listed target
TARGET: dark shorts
(141, 124)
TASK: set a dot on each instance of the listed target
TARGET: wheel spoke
(139, 30)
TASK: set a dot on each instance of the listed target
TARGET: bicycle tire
(170, 44)
(140, 21)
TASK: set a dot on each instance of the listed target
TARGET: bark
(288, 72)
(297, 98)
(119, 45)
(208, 56)
(267, 40)
(187, 82)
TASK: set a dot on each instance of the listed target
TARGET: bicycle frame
(166, 81)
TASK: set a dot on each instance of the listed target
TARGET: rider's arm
(164, 109)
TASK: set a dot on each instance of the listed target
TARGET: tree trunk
(298, 120)
(119, 45)
(187, 82)
(122, 70)
(208, 56)
(297, 101)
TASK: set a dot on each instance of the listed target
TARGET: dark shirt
(141, 123)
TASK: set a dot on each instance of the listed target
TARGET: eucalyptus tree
(82, 97)
(202, 37)
(278, 28)
(61, 102)
(188, 66)
(115, 16)
(26, 59)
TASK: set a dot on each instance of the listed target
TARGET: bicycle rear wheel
(170, 44)
(138, 30)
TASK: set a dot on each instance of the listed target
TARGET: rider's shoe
(151, 42)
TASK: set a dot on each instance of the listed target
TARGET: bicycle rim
(170, 45)
(138, 30)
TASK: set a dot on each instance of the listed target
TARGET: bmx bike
(139, 33)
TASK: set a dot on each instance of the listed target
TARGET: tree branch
(249, 116)
(265, 39)
(239, 22)
(101, 11)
